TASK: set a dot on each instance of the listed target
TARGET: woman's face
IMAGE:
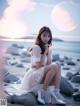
(45, 37)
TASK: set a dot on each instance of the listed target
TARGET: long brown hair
(38, 40)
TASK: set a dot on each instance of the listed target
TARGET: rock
(55, 57)
(26, 60)
(70, 63)
(28, 99)
(66, 58)
(77, 73)
(76, 79)
(13, 63)
(20, 46)
(20, 65)
(66, 68)
(13, 50)
(66, 87)
(78, 59)
(10, 78)
(76, 96)
(69, 75)
(14, 45)
(61, 60)
(62, 64)
(24, 54)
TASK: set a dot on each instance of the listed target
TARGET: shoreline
(18, 62)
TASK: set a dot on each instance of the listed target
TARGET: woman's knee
(56, 67)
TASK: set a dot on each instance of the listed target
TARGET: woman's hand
(47, 49)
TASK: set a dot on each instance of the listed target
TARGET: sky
(19, 18)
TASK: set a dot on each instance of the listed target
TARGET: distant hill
(32, 37)
(3, 37)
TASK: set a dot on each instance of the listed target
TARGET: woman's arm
(40, 63)
(49, 56)
(41, 58)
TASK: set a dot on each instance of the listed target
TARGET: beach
(18, 63)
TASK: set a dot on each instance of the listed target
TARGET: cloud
(10, 24)
(61, 17)
(19, 5)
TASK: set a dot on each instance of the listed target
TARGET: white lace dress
(32, 79)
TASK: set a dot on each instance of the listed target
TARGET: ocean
(63, 48)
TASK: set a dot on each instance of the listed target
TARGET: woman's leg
(48, 76)
(50, 73)
(56, 80)
(52, 79)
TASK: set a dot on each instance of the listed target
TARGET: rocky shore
(18, 63)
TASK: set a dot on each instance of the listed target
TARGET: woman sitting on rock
(43, 72)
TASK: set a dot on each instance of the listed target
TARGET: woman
(42, 70)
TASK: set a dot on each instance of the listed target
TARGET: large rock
(10, 78)
(28, 99)
(76, 79)
(12, 62)
(69, 75)
(66, 87)
(14, 50)
(76, 96)
(70, 63)
(24, 53)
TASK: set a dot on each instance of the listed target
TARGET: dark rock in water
(20, 65)
(66, 68)
(25, 54)
(70, 63)
(66, 58)
(28, 99)
(69, 75)
(78, 59)
(76, 79)
(61, 60)
(77, 73)
(62, 64)
(76, 96)
(15, 45)
(65, 87)
(10, 78)
(25, 60)
(55, 57)
(20, 46)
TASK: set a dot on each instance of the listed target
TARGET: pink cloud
(10, 24)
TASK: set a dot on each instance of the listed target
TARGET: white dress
(32, 79)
